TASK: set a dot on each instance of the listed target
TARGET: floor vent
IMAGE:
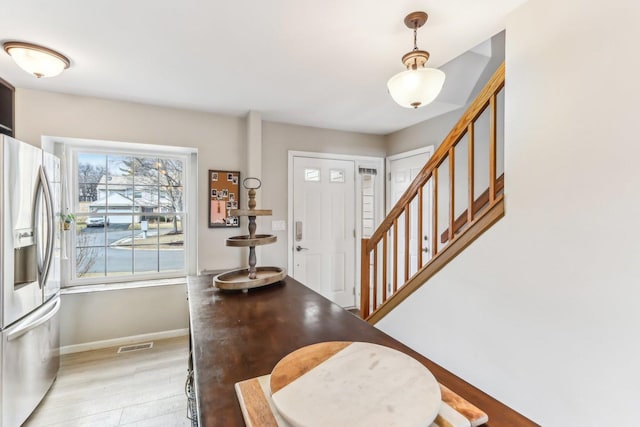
(135, 347)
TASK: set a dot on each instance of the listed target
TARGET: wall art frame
(224, 195)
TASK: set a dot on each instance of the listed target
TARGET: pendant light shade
(37, 60)
(418, 85)
(415, 88)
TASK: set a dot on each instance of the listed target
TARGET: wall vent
(135, 347)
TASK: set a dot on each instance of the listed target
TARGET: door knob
(425, 250)
(300, 248)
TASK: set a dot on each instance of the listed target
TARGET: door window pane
(336, 175)
(312, 175)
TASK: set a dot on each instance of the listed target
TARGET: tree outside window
(130, 215)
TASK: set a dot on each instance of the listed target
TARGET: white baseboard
(116, 342)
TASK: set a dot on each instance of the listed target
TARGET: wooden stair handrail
(477, 227)
(457, 132)
(475, 219)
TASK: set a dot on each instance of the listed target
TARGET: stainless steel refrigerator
(29, 277)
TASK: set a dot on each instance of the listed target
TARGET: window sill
(85, 289)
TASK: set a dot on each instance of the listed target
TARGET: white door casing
(324, 227)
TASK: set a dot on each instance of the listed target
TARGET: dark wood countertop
(237, 336)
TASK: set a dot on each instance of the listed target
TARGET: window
(336, 175)
(312, 175)
(131, 215)
(368, 201)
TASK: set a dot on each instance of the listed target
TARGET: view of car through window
(96, 221)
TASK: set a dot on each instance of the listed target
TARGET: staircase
(396, 260)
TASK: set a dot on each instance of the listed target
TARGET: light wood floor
(103, 388)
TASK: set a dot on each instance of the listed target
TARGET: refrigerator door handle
(32, 325)
(50, 231)
(42, 190)
(35, 215)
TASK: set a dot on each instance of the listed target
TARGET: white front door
(403, 168)
(324, 227)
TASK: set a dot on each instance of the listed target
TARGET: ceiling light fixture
(37, 60)
(418, 85)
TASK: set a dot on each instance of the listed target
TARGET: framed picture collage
(224, 195)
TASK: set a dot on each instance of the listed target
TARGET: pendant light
(37, 60)
(418, 85)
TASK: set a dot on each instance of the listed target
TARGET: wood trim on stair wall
(475, 110)
(459, 244)
(478, 205)
(480, 214)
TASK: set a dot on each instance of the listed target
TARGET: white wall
(222, 143)
(278, 139)
(114, 314)
(219, 140)
(542, 310)
(429, 132)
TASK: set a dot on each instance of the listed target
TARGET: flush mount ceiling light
(37, 60)
(418, 86)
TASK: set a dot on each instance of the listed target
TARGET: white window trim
(107, 287)
(66, 148)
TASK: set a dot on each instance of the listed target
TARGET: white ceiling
(308, 62)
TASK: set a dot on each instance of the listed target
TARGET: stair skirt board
(123, 341)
